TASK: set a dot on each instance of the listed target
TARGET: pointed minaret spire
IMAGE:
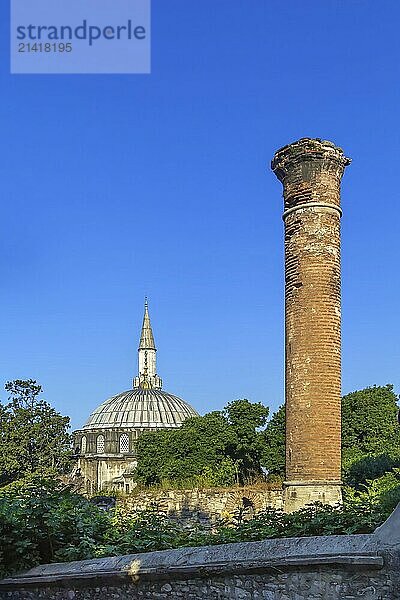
(146, 338)
(147, 377)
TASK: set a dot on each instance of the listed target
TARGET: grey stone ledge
(275, 555)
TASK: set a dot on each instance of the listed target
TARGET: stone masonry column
(311, 171)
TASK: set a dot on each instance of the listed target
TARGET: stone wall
(206, 505)
(315, 568)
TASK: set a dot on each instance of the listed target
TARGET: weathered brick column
(310, 171)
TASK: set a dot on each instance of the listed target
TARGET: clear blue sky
(113, 187)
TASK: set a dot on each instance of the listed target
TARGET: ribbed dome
(141, 408)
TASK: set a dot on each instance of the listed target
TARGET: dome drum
(105, 442)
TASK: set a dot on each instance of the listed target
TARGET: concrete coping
(351, 551)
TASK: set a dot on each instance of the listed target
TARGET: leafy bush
(360, 468)
(39, 519)
(42, 521)
(224, 447)
(379, 495)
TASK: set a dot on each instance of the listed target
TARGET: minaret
(311, 171)
(147, 378)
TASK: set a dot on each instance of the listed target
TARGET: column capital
(307, 150)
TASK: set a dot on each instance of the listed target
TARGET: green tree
(273, 454)
(369, 420)
(217, 449)
(33, 436)
(370, 435)
(185, 453)
(245, 420)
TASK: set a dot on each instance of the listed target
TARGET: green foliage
(244, 420)
(145, 531)
(42, 521)
(369, 421)
(220, 448)
(379, 495)
(314, 519)
(222, 475)
(33, 436)
(39, 519)
(319, 519)
(370, 436)
(359, 468)
(184, 453)
(273, 455)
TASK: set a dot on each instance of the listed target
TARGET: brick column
(310, 171)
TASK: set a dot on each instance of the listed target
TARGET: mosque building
(105, 446)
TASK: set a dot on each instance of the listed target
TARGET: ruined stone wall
(205, 505)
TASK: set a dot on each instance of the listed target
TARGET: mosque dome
(106, 446)
(146, 406)
(141, 409)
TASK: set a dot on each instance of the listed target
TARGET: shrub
(42, 521)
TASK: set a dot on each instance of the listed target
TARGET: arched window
(83, 444)
(124, 443)
(100, 444)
